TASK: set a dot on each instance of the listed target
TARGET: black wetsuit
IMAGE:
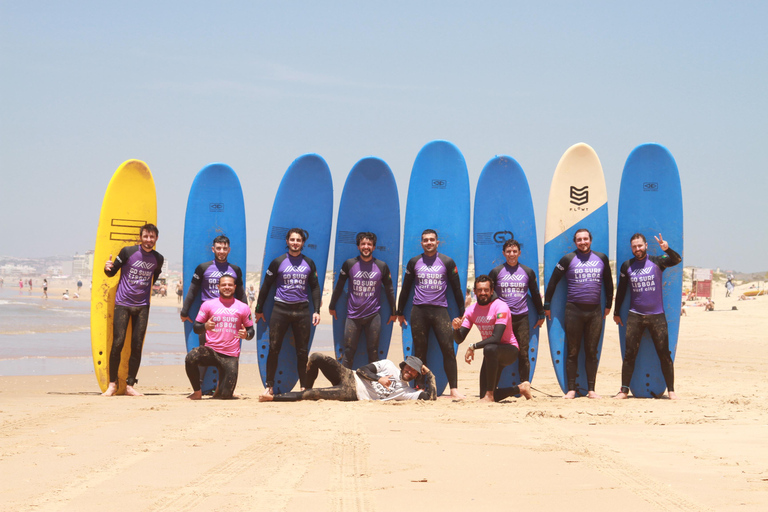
(228, 366)
(583, 317)
(295, 315)
(496, 356)
(648, 314)
(431, 316)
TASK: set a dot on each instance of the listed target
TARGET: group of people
(500, 314)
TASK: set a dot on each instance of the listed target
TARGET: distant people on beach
(45, 288)
(21, 285)
(709, 305)
(744, 297)
(683, 309)
(79, 285)
(251, 295)
(30, 285)
(179, 292)
(65, 295)
(728, 287)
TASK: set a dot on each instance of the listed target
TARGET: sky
(85, 86)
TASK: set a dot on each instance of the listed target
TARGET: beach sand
(64, 447)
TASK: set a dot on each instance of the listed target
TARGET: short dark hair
(366, 234)
(429, 232)
(636, 236)
(483, 278)
(222, 276)
(221, 239)
(151, 228)
(302, 233)
(511, 242)
(579, 231)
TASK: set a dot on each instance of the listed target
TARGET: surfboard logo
(125, 230)
(216, 207)
(502, 236)
(580, 196)
(439, 183)
(650, 186)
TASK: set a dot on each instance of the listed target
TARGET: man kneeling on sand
(225, 321)
(380, 380)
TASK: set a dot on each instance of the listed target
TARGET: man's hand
(469, 356)
(384, 381)
(424, 369)
(242, 333)
(392, 318)
(185, 318)
(617, 319)
(548, 314)
(607, 312)
(664, 245)
(539, 323)
(315, 319)
(210, 324)
(333, 314)
(456, 323)
(403, 322)
(108, 265)
(257, 317)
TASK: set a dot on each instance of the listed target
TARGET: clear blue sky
(87, 85)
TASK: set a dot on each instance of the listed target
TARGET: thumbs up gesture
(108, 264)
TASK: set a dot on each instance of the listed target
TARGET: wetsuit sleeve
(340, 282)
(368, 372)
(455, 282)
(533, 288)
(494, 274)
(405, 290)
(670, 260)
(389, 289)
(251, 332)
(159, 269)
(269, 280)
(621, 292)
(460, 334)
(557, 274)
(122, 257)
(498, 332)
(430, 388)
(239, 285)
(198, 327)
(194, 288)
(314, 285)
(607, 281)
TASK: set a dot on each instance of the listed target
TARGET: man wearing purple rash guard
(141, 266)
(587, 272)
(291, 274)
(514, 281)
(494, 321)
(432, 273)
(205, 280)
(366, 276)
(642, 274)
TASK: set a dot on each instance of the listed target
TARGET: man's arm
(430, 388)
(112, 267)
(194, 289)
(405, 290)
(455, 282)
(266, 285)
(368, 372)
(198, 327)
(340, 282)
(670, 260)
(314, 285)
(533, 289)
(498, 332)
(607, 283)
(557, 274)
(621, 291)
(240, 293)
(389, 289)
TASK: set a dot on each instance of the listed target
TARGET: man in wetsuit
(432, 273)
(366, 276)
(375, 381)
(646, 308)
(586, 272)
(492, 317)
(141, 266)
(205, 280)
(514, 281)
(223, 321)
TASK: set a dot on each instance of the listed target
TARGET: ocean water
(39, 337)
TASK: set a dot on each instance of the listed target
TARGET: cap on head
(412, 361)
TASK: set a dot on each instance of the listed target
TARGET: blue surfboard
(304, 200)
(438, 198)
(215, 207)
(651, 202)
(577, 199)
(369, 202)
(505, 211)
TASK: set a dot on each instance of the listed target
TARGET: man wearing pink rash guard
(224, 321)
(493, 319)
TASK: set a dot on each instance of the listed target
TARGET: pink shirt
(230, 315)
(486, 317)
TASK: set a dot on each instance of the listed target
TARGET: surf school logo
(216, 207)
(650, 186)
(292, 268)
(366, 275)
(439, 183)
(641, 271)
(587, 264)
(502, 236)
(512, 277)
(580, 196)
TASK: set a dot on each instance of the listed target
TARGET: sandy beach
(64, 447)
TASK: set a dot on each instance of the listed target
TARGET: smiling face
(512, 253)
(429, 243)
(148, 240)
(484, 292)
(226, 287)
(366, 248)
(639, 248)
(583, 241)
(295, 244)
(221, 251)
(408, 373)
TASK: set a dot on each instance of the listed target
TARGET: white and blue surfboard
(438, 198)
(303, 200)
(215, 207)
(505, 211)
(651, 202)
(369, 202)
(577, 199)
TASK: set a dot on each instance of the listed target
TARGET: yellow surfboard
(129, 203)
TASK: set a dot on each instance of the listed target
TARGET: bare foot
(267, 396)
(456, 395)
(488, 397)
(621, 395)
(570, 395)
(673, 396)
(592, 394)
(197, 395)
(111, 389)
(130, 391)
(525, 390)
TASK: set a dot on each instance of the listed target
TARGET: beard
(484, 302)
